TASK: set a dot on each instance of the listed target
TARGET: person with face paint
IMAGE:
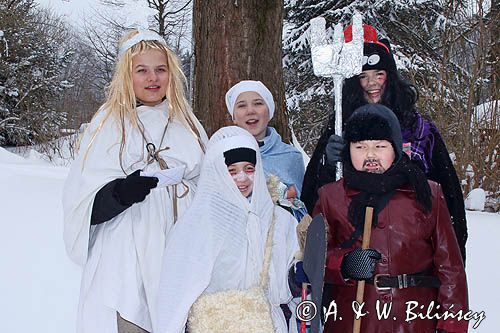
(413, 255)
(381, 83)
(242, 172)
(251, 106)
(233, 239)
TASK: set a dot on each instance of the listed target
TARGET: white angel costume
(218, 245)
(121, 258)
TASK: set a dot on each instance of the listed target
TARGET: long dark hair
(400, 96)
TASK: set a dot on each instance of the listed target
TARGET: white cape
(121, 258)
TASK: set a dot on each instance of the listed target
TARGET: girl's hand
(134, 188)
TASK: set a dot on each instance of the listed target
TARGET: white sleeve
(96, 165)
(186, 272)
(286, 237)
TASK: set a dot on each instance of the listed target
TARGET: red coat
(410, 241)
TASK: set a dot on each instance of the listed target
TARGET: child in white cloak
(136, 171)
(218, 248)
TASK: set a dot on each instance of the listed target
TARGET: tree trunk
(493, 17)
(236, 40)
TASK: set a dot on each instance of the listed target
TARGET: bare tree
(171, 20)
(99, 49)
(236, 40)
(462, 95)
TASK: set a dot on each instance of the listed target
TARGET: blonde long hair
(121, 102)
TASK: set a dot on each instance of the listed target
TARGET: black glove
(334, 149)
(134, 188)
(359, 264)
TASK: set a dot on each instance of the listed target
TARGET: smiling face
(373, 83)
(242, 174)
(375, 156)
(251, 113)
(150, 77)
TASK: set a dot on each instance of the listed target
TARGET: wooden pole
(367, 232)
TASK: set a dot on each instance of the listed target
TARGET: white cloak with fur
(219, 243)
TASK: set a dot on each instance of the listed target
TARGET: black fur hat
(373, 122)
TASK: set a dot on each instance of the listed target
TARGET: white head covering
(219, 242)
(249, 85)
(219, 204)
(216, 180)
(142, 35)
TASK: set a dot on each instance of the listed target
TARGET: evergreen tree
(32, 57)
(447, 49)
(226, 53)
(411, 26)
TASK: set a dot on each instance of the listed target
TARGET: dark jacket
(439, 168)
(410, 242)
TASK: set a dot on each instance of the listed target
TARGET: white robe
(121, 258)
(219, 243)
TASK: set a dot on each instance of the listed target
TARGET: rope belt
(154, 155)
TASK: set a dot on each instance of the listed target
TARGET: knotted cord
(154, 156)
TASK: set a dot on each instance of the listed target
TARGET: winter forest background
(53, 71)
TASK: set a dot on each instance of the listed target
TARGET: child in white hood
(232, 242)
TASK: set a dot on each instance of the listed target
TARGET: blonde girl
(135, 173)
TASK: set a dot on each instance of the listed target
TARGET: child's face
(251, 113)
(242, 174)
(373, 83)
(375, 156)
(150, 77)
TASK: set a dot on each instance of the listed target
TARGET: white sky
(78, 12)
(74, 10)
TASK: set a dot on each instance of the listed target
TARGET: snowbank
(40, 285)
(8, 157)
(476, 200)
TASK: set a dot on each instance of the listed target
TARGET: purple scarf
(421, 140)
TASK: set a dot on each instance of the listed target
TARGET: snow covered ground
(39, 284)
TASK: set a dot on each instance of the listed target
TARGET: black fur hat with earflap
(373, 122)
(377, 122)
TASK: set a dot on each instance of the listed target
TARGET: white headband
(142, 35)
(244, 86)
